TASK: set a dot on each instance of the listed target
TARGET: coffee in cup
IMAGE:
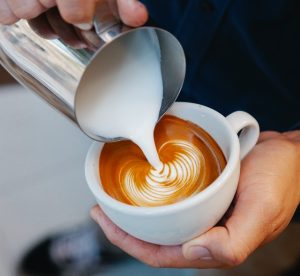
(191, 159)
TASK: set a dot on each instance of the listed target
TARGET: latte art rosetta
(191, 161)
(181, 176)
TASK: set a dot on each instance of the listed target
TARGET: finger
(41, 26)
(226, 245)
(118, 237)
(132, 12)
(6, 15)
(26, 9)
(77, 12)
(65, 31)
(48, 3)
(151, 254)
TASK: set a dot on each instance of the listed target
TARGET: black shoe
(81, 251)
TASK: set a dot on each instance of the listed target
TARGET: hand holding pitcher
(69, 20)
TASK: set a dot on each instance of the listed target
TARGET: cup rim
(92, 178)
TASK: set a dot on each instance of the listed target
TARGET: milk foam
(123, 95)
(185, 174)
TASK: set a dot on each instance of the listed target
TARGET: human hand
(57, 18)
(267, 197)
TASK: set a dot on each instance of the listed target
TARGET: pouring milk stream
(131, 81)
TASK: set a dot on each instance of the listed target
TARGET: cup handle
(244, 122)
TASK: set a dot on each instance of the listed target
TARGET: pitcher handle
(107, 24)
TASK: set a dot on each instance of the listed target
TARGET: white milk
(122, 92)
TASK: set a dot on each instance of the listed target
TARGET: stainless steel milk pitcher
(54, 70)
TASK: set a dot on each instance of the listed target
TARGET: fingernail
(198, 252)
(84, 26)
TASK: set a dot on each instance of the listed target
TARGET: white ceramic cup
(177, 223)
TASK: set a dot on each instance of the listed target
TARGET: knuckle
(27, 12)
(114, 235)
(74, 16)
(272, 207)
(47, 3)
(152, 263)
(234, 259)
(155, 260)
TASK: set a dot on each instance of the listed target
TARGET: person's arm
(267, 197)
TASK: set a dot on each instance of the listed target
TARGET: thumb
(216, 245)
(132, 12)
(232, 243)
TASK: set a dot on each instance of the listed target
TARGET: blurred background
(43, 191)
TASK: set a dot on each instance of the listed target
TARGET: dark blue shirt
(241, 55)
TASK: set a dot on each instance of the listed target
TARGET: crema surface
(191, 161)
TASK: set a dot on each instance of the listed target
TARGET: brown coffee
(192, 161)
